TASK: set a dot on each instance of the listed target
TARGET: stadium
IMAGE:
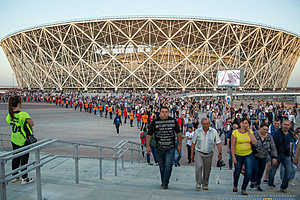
(150, 52)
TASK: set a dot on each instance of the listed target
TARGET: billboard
(230, 78)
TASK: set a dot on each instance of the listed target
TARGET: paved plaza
(134, 181)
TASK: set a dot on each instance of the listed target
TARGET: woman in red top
(138, 120)
(125, 115)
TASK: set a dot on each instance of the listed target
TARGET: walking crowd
(260, 137)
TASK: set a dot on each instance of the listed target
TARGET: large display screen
(230, 78)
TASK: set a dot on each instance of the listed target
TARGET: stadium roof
(139, 17)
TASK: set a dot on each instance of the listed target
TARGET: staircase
(134, 181)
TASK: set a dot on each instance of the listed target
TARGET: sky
(16, 15)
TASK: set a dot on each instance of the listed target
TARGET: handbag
(254, 149)
(31, 139)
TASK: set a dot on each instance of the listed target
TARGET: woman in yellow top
(21, 125)
(241, 140)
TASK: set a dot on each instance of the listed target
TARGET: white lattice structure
(148, 52)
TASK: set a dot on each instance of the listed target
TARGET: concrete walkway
(135, 181)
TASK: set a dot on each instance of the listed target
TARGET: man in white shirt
(204, 141)
(291, 116)
(189, 137)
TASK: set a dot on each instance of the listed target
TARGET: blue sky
(21, 14)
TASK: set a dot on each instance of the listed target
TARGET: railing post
(123, 161)
(100, 162)
(38, 175)
(138, 156)
(116, 163)
(76, 163)
(2, 178)
(131, 154)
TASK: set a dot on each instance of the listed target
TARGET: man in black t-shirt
(164, 128)
(283, 138)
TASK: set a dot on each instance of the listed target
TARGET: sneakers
(205, 187)
(26, 181)
(283, 190)
(15, 180)
(259, 189)
(165, 187)
(272, 186)
(293, 183)
(198, 186)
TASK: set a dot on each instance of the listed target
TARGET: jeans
(189, 152)
(139, 124)
(153, 150)
(230, 160)
(287, 164)
(118, 128)
(131, 123)
(165, 161)
(248, 162)
(227, 136)
(293, 172)
(177, 157)
(259, 166)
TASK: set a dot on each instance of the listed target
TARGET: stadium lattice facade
(150, 52)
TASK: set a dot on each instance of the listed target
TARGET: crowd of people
(259, 136)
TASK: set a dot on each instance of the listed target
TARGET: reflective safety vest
(145, 118)
(131, 116)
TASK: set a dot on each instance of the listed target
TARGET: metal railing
(35, 165)
(118, 153)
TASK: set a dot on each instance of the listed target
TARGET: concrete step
(135, 181)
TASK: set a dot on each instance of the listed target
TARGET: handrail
(84, 144)
(30, 169)
(15, 155)
(24, 148)
(130, 142)
(120, 144)
(36, 165)
(118, 153)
